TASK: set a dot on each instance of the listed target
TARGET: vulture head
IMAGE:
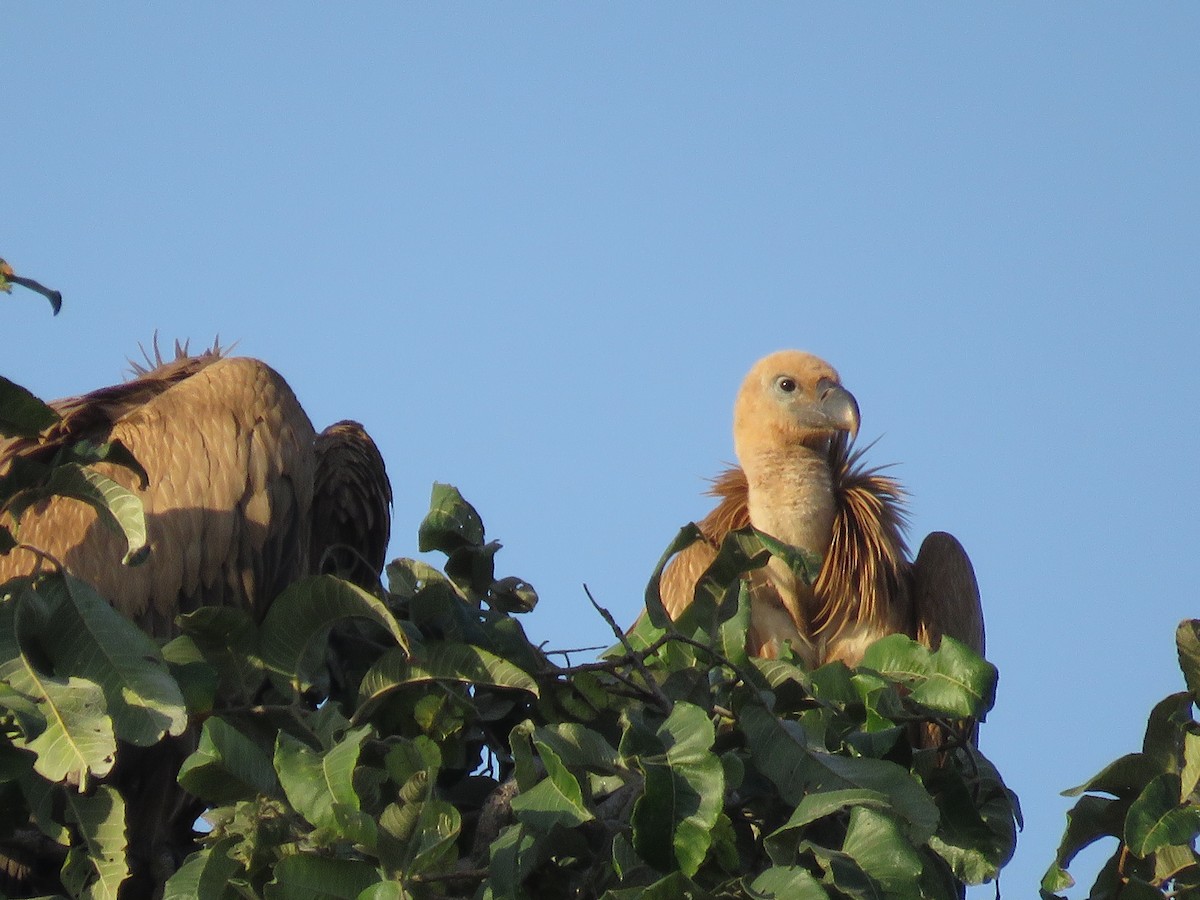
(791, 400)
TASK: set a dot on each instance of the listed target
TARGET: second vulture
(242, 496)
(800, 481)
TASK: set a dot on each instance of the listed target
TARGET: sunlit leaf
(97, 867)
(451, 522)
(306, 610)
(98, 643)
(227, 766)
(1157, 818)
(320, 785)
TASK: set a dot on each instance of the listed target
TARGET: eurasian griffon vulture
(801, 482)
(243, 496)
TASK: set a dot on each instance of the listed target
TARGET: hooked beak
(838, 406)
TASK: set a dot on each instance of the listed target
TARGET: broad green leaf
(783, 756)
(78, 740)
(972, 848)
(1090, 819)
(718, 588)
(303, 876)
(227, 638)
(1190, 776)
(197, 678)
(513, 857)
(655, 610)
(205, 875)
(1157, 818)
(1187, 644)
(96, 642)
(227, 766)
(304, 612)
(1125, 777)
(786, 883)
(440, 661)
(579, 747)
(418, 833)
(876, 843)
(21, 413)
(320, 786)
(555, 800)
(451, 522)
(386, 890)
(782, 843)
(952, 679)
(119, 509)
(804, 565)
(97, 867)
(684, 789)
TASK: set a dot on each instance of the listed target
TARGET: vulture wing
(351, 506)
(945, 594)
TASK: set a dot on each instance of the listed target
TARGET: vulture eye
(785, 384)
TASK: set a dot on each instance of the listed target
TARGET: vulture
(801, 480)
(242, 496)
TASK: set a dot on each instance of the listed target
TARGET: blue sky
(534, 248)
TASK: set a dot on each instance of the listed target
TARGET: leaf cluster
(1149, 801)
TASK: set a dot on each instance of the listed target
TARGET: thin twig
(636, 659)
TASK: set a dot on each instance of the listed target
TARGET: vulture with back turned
(800, 481)
(242, 498)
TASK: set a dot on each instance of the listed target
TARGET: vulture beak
(838, 406)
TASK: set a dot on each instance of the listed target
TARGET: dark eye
(785, 384)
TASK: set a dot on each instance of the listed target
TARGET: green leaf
(1157, 818)
(440, 661)
(304, 612)
(655, 610)
(385, 890)
(555, 800)
(320, 786)
(718, 588)
(21, 413)
(227, 766)
(786, 883)
(1125, 777)
(78, 740)
(306, 877)
(674, 818)
(877, 844)
(227, 638)
(952, 679)
(1187, 643)
(418, 833)
(205, 875)
(804, 565)
(780, 751)
(96, 642)
(451, 523)
(96, 867)
(119, 509)
(782, 843)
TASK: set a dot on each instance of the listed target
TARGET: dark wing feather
(945, 594)
(352, 500)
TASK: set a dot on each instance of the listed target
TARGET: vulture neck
(791, 494)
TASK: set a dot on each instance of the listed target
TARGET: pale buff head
(791, 400)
